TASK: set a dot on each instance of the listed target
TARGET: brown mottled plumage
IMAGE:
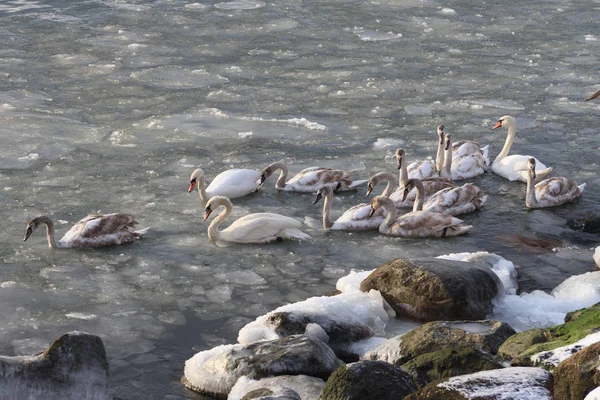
(310, 179)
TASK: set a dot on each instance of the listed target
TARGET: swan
(592, 97)
(465, 167)
(416, 223)
(453, 201)
(550, 192)
(355, 218)
(464, 148)
(251, 228)
(439, 156)
(431, 185)
(514, 167)
(310, 179)
(597, 251)
(95, 230)
(391, 190)
(231, 183)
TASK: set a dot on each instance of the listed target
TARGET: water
(109, 106)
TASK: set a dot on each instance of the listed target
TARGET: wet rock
(531, 347)
(215, 371)
(368, 380)
(449, 362)
(268, 394)
(589, 223)
(432, 289)
(516, 383)
(73, 367)
(578, 375)
(305, 387)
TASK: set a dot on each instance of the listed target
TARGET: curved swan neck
(530, 199)
(280, 184)
(391, 185)
(49, 231)
(213, 228)
(403, 174)
(510, 137)
(327, 202)
(418, 206)
(391, 213)
(201, 188)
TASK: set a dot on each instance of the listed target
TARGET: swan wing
(421, 169)
(312, 179)
(234, 183)
(97, 230)
(423, 224)
(261, 228)
(357, 218)
(556, 191)
(514, 167)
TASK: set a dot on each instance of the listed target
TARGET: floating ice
(448, 11)
(383, 143)
(195, 6)
(178, 78)
(78, 315)
(369, 35)
(553, 357)
(352, 281)
(240, 5)
(244, 135)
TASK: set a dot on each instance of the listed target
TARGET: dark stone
(368, 380)
(268, 394)
(578, 375)
(432, 289)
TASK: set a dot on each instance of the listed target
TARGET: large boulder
(431, 289)
(578, 375)
(368, 380)
(304, 387)
(486, 335)
(449, 362)
(516, 383)
(73, 367)
(215, 371)
(531, 347)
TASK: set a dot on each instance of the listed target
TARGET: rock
(520, 347)
(305, 387)
(368, 380)
(551, 358)
(432, 289)
(449, 362)
(578, 375)
(73, 367)
(486, 335)
(589, 223)
(215, 371)
(268, 394)
(516, 383)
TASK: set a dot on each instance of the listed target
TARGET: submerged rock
(515, 383)
(578, 375)
(531, 347)
(432, 289)
(305, 387)
(215, 371)
(368, 380)
(73, 367)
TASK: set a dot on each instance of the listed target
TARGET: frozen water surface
(108, 106)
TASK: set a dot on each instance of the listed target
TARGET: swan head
(32, 226)
(376, 203)
(323, 192)
(440, 132)
(268, 171)
(410, 185)
(214, 203)
(448, 141)
(197, 175)
(504, 121)
(531, 167)
(399, 157)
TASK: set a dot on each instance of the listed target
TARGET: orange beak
(206, 214)
(498, 125)
(192, 186)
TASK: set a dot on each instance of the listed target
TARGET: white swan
(416, 223)
(231, 183)
(550, 192)
(95, 230)
(431, 185)
(453, 201)
(251, 228)
(514, 167)
(353, 219)
(310, 179)
(459, 168)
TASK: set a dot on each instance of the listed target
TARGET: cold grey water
(108, 106)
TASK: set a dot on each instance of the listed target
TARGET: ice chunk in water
(352, 281)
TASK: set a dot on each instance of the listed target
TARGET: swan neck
(530, 199)
(327, 220)
(391, 185)
(213, 228)
(447, 169)
(280, 184)
(49, 232)
(201, 188)
(403, 174)
(391, 214)
(510, 138)
(439, 157)
(418, 206)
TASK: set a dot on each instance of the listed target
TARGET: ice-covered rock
(515, 383)
(597, 256)
(216, 371)
(346, 317)
(305, 387)
(578, 375)
(430, 289)
(74, 367)
(533, 346)
(368, 380)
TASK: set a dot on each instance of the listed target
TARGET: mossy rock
(518, 348)
(368, 380)
(578, 375)
(447, 363)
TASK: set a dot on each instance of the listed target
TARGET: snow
(553, 357)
